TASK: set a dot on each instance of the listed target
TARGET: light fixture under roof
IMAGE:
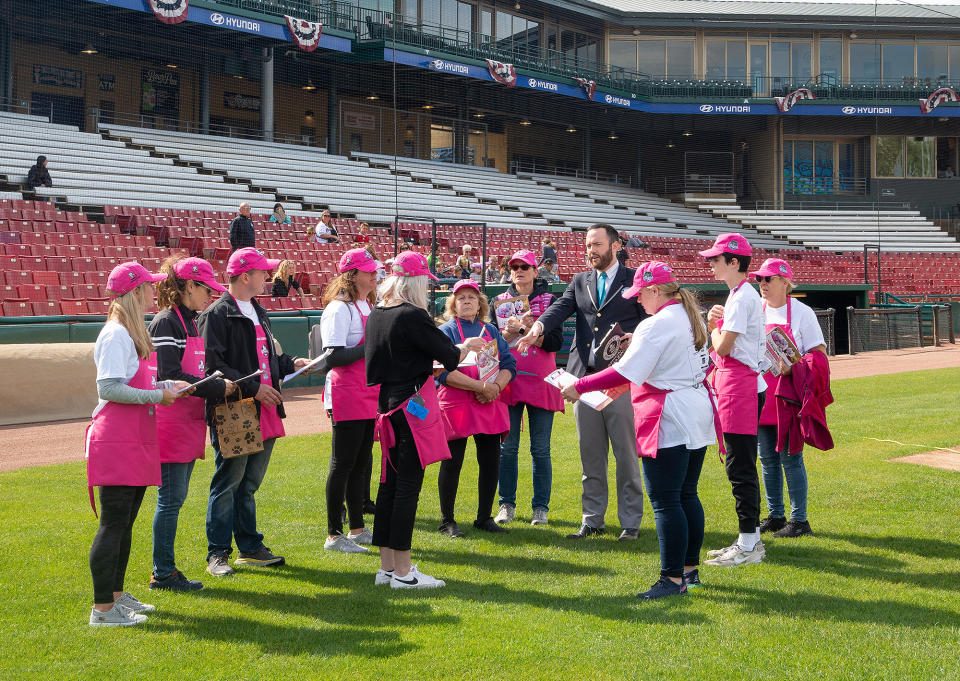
(89, 49)
(687, 133)
(670, 144)
(570, 128)
(309, 86)
(372, 97)
(524, 122)
(479, 114)
(612, 135)
(428, 106)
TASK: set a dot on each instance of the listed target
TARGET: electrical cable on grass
(941, 449)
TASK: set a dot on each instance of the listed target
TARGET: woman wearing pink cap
(182, 426)
(350, 402)
(472, 407)
(666, 365)
(528, 389)
(800, 323)
(400, 347)
(736, 331)
(121, 442)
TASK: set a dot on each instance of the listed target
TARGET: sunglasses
(766, 280)
(523, 267)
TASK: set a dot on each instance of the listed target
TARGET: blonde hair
(344, 287)
(482, 314)
(691, 305)
(171, 290)
(127, 310)
(282, 270)
(396, 289)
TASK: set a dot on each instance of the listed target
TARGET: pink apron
(121, 440)
(182, 426)
(528, 386)
(351, 397)
(463, 415)
(271, 425)
(768, 415)
(428, 432)
(736, 387)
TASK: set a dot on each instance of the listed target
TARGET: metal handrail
(27, 107)
(101, 119)
(534, 169)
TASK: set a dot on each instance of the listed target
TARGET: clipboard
(314, 362)
(216, 374)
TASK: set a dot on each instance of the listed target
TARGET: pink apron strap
(716, 420)
(384, 433)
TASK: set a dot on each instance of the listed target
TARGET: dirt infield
(62, 441)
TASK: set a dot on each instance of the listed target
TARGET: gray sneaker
(343, 544)
(737, 556)
(539, 517)
(365, 538)
(506, 515)
(128, 601)
(716, 553)
(218, 566)
(117, 616)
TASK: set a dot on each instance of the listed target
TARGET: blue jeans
(671, 481)
(540, 423)
(232, 510)
(174, 483)
(773, 462)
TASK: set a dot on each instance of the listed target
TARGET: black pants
(111, 546)
(349, 477)
(488, 461)
(398, 496)
(741, 465)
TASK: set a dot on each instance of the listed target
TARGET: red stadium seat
(59, 292)
(17, 308)
(32, 292)
(45, 308)
(98, 305)
(17, 277)
(73, 307)
(50, 278)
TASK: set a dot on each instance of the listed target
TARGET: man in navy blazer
(594, 297)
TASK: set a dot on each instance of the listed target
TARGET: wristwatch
(523, 331)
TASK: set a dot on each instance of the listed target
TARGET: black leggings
(488, 461)
(350, 465)
(111, 546)
(398, 495)
(741, 465)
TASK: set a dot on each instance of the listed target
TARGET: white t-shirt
(662, 354)
(743, 314)
(322, 229)
(803, 324)
(340, 327)
(115, 355)
(246, 307)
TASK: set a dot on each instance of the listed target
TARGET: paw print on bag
(247, 425)
(237, 450)
(250, 438)
(235, 416)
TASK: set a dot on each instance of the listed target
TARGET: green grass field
(873, 595)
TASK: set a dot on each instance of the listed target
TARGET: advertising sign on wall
(161, 93)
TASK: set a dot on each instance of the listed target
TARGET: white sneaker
(506, 515)
(117, 616)
(343, 544)
(128, 601)
(539, 517)
(383, 577)
(737, 556)
(415, 580)
(716, 553)
(364, 538)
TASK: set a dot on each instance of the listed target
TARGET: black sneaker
(450, 529)
(262, 558)
(218, 566)
(794, 528)
(369, 508)
(489, 525)
(664, 587)
(176, 581)
(771, 524)
(585, 531)
(692, 579)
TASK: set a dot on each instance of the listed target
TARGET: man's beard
(604, 261)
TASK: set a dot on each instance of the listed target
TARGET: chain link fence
(827, 319)
(884, 329)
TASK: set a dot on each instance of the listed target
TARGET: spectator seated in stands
(363, 234)
(504, 270)
(38, 175)
(280, 215)
(548, 250)
(325, 232)
(948, 172)
(476, 272)
(284, 281)
(461, 269)
(633, 241)
(242, 233)
(492, 273)
(404, 247)
(547, 271)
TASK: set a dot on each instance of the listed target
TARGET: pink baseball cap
(731, 243)
(466, 283)
(774, 267)
(129, 275)
(246, 259)
(649, 274)
(199, 270)
(524, 256)
(357, 259)
(412, 264)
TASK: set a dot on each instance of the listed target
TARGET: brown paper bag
(238, 428)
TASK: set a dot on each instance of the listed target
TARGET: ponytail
(692, 307)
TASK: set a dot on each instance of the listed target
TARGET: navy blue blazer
(593, 322)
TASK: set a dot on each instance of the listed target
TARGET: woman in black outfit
(284, 281)
(400, 345)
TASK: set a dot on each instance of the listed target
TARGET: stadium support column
(6, 58)
(205, 97)
(586, 151)
(332, 116)
(266, 94)
(638, 182)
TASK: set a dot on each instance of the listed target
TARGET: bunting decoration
(502, 73)
(170, 11)
(788, 102)
(306, 34)
(589, 86)
(936, 98)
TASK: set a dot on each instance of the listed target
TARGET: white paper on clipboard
(216, 374)
(314, 362)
